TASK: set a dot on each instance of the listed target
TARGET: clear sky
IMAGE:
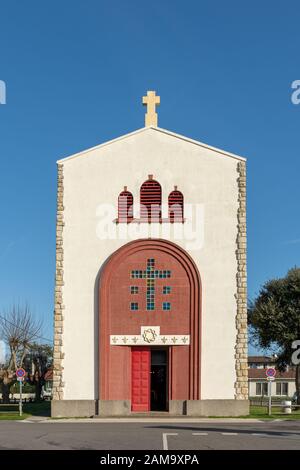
(75, 72)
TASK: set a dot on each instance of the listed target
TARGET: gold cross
(151, 100)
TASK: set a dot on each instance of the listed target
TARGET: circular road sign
(271, 372)
(20, 372)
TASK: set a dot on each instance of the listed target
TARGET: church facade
(151, 290)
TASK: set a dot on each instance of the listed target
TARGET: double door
(149, 379)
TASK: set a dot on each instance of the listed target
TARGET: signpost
(270, 373)
(20, 373)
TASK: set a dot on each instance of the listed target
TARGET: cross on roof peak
(151, 100)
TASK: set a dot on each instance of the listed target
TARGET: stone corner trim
(59, 282)
(241, 348)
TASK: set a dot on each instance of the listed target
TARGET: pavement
(38, 433)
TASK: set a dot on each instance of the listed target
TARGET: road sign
(20, 379)
(20, 372)
(271, 372)
(270, 379)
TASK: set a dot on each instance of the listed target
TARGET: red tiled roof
(49, 375)
(261, 359)
(261, 374)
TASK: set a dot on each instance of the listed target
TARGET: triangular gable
(157, 129)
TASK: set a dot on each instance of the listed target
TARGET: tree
(39, 360)
(18, 328)
(274, 319)
(6, 377)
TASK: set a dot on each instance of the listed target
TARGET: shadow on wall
(96, 330)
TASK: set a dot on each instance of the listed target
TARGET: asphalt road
(147, 436)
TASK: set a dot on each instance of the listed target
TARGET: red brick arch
(106, 381)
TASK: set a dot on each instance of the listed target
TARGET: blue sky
(75, 72)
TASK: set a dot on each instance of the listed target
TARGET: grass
(261, 412)
(42, 408)
(11, 413)
(13, 417)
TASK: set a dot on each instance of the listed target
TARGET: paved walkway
(154, 419)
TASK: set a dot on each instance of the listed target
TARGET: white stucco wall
(291, 387)
(207, 178)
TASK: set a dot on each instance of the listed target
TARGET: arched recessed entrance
(150, 326)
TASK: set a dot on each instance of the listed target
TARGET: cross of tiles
(150, 274)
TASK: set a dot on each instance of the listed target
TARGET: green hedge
(27, 388)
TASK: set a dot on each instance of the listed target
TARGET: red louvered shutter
(125, 206)
(150, 199)
(175, 203)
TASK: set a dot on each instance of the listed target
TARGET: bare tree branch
(19, 328)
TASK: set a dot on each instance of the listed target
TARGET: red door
(140, 379)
